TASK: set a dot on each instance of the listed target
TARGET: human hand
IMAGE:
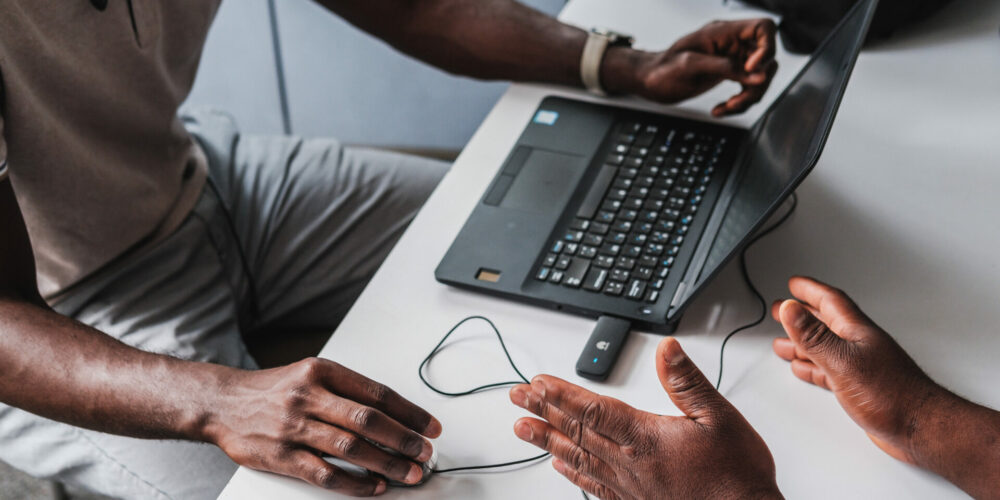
(834, 345)
(615, 451)
(741, 51)
(285, 419)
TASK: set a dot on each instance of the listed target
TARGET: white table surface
(902, 212)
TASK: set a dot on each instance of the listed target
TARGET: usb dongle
(602, 349)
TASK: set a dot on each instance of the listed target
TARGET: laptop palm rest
(537, 181)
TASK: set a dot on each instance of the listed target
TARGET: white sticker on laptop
(545, 117)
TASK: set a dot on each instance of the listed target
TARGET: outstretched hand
(834, 345)
(740, 51)
(615, 451)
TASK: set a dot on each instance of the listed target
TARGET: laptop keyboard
(629, 229)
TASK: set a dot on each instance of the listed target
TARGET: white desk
(902, 212)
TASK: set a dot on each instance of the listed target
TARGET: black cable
(523, 379)
(753, 289)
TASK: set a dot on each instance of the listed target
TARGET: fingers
(585, 483)
(755, 85)
(686, 385)
(819, 343)
(544, 436)
(762, 34)
(809, 372)
(356, 450)
(574, 429)
(314, 470)
(357, 387)
(606, 416)
(834, 305)
(372, 424)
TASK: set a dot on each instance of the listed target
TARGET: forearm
(58, 368)
(960, 441)
(489, 39)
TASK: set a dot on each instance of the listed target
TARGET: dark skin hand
(832, 344)
(615, 451)
(503, 39)
(284, 420)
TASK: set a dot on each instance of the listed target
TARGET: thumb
(810, 334)
(686, 385)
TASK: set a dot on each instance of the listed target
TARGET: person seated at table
(618, 452)
(139, 248)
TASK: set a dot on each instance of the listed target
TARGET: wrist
(622, 70)
(207, 422)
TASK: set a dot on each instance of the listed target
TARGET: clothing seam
(217, 246)
(79, 432)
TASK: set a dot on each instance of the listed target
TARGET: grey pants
(285, 236)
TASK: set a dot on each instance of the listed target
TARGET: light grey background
(341, 82)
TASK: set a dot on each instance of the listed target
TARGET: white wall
(341, 82)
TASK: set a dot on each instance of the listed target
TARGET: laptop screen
(790, 137)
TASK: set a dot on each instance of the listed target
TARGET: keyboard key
(619, 275)
(622, 149)
(629, 173)
(615, 159)
(687, 220)
(573, 236)
(580, 224)
(632, 251)
(610, 249)
(638, 191)
(604, 261)
(643, 273)
(634, 161)
(637, 239)
(596, 192)
(650, 215)
(644, 227)
(625, 263)
(659, 237)
(623, 226)
(557, 247)
(658, 284)
(652, 296)
(556, 277)
(611, 205)
(622, 183)
(617, 238)
(626, 138)
(595, 240)
(633, 203)
(654, 204)
(663, 225)
(636, 290)
(577, 270)
(587, 252)
(629, 215)
(672, 251)
(617, 194)
(670, 214)
(599, 228)
(543, 274)
(645, 181)
(594, 281)
(667, 261)
(639, 151)
(663, 272)
(648, 261)
(614, 288)
(570, 249)
(653, 249)
(677, 240)
(605, 216)
(563, 263)
(550, 260)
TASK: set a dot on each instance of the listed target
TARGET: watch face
(614, 38)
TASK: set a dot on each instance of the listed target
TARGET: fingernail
(433, 428)
(524, 431)
(518, 396)
(558, 465)
(380, 488)
(414, 475)
(800, 318)
(674, 355)
(426, 452)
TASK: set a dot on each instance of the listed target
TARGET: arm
(503, 39)
(278, 420)
(616, 452)
(834, 345)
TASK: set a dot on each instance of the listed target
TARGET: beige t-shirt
(94, 151)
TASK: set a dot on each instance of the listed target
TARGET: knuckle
(594, 412)
(349, 446)
(327, 478)
(378, 393)
(411, 445)
(311, 369)
(395, 467)
(363, 418)
(578, 459)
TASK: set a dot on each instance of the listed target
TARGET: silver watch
(597, 44)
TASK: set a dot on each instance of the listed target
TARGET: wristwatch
(597, 44)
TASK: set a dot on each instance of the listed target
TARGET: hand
(283, 420)
(832, 344)
(741, 51)
(617, 452)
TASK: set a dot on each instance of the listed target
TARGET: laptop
(606, 211)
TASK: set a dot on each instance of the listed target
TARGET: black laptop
(601, 210)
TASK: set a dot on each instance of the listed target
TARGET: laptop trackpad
(545, 182)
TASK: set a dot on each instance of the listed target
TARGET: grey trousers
(285, 236)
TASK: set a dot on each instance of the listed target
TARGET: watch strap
(590, 62)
